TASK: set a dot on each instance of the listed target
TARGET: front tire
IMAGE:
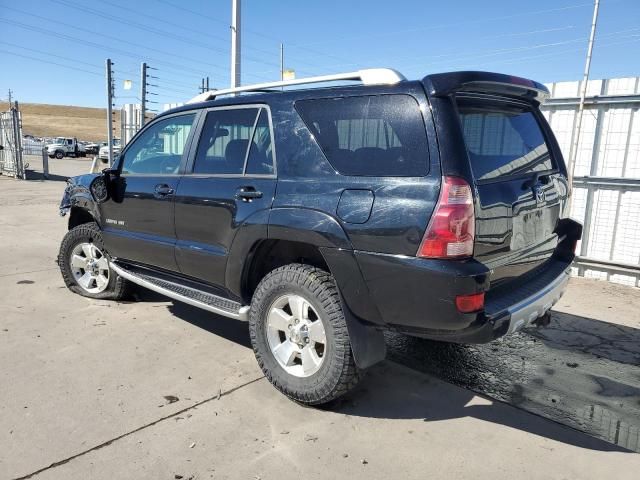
(299, 335)
(59, 155)
(85, 267)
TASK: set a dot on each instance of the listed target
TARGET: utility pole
(235, 43)
(205, 86)
(143, 93)
(583, 93)
(10, 97)
(281, 62)
(110, 95)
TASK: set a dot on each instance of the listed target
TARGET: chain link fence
(11, 163)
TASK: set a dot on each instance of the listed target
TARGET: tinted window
(159, 149)
(224, 141)
(382, 135)
(260, 160)
(502, 140)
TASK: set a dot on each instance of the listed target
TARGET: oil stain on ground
(579, 372)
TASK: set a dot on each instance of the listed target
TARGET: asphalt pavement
(152, 388)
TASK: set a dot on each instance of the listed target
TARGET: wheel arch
(78, 216)
(314, 239)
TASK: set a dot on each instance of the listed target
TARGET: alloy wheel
(296, 335)
(90, 268)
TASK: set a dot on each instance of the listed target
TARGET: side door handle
(162, 190)
(248, 193)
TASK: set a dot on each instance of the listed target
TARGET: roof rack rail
(369, 76)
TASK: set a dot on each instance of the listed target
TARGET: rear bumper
(535, 306)
(417, 296)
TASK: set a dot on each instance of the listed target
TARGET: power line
(50, 54)
(162, 33)
(447, 57)
(175, 25)
(509, 61)
(91, 44)
(177, 67)
(447, 25)
(198, 14)
(50, 62)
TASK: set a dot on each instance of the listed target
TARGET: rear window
(502, 139)
(374, 135)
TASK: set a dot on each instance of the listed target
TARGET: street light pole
(235, 43)
(109, 65)
(583, 93)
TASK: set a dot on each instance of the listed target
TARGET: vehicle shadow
(39, 176)
(392, 391)
(234, 330)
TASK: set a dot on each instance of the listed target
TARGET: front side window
(502, 139)
(374, 135)
(159, 149)
(235, 141)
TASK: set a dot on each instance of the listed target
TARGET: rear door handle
(163, 190)
(248, 193)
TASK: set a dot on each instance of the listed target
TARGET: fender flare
(293, 224)
(324, 232)
(78, 195)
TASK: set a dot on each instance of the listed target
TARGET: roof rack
(369, 76)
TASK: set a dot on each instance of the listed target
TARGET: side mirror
(99, 188)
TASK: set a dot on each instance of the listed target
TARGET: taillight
(451, 229)
(470, 303)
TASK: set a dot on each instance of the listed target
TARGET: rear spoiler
(444, 84)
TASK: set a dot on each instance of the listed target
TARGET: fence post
(17, 141)
(45, 163)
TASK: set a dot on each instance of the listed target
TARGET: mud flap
(367, 341)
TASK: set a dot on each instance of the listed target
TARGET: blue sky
(53, 51)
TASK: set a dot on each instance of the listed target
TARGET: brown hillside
(85, 123)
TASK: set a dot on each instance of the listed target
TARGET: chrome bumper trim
(528, 310)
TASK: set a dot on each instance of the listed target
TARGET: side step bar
(197, 298)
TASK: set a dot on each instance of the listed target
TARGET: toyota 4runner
(324, 216)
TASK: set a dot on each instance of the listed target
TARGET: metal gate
(11, 163)
(606, 186)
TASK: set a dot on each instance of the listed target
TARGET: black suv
(324, 216)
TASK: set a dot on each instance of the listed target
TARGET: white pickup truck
(65, 147)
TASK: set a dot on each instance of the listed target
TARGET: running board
(197, 298)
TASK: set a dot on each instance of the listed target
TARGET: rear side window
(235, 141)
(375, 135)
(502, 139)
(224, 141)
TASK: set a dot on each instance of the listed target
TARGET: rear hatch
(516, 168)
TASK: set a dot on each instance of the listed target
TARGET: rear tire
(84, 265)
(308, 371)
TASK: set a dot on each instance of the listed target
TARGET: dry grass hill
(85, 123)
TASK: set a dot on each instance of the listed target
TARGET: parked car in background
(93, 148)
(65, 147)
(435, 207)
(104, 149)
